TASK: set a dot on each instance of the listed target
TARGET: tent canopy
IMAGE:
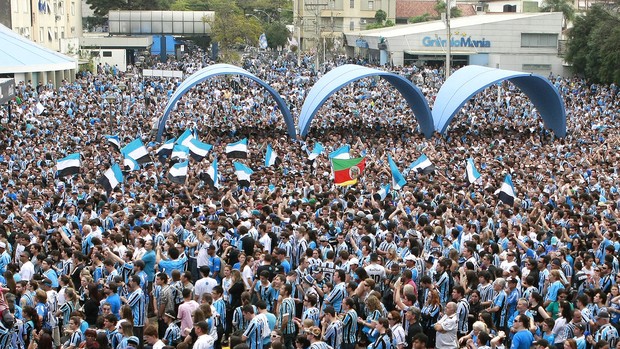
(335, 79)
(20, 55)
(469, 81)
(223, 69)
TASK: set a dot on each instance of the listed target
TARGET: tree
(594, 44)
(277, 35)
(230, 27)
(380, 16)
(102, 7)
(421, 18)
(564, 6)
(440, 7)
(190, 5)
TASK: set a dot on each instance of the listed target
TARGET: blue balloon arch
(335, 79)
(468, 81)
(223, 69)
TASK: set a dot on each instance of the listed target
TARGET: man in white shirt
(205, 284)
(446, 328)
(204, 341)
(27, 270)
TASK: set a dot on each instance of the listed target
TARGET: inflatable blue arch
(223, 69)
(469, 81)
(335, 79)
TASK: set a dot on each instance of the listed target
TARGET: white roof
(455, 23)
(20, 55)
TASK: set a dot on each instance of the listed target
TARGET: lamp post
(269, 19)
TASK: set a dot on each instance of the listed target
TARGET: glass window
(539, 40)
(352, 3)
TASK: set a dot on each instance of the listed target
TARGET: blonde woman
(374, 311)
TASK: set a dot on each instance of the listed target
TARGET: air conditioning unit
(363, 21)
(479, 8)
(58, 18)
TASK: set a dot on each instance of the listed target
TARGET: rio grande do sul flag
(347, 171)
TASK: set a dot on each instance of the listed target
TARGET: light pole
(449, 43)
(269, 19)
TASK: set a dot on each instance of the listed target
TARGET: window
(352, 3)
(15, 5)
(371, 5)
(49, 34)
(61, 8)
(539, 40)
(56, 33)
(62, 32)
(26, 6)
(107, 53)
(510, 8)
(352, 25)
(41, 34)
(72, 8)
(532, 67)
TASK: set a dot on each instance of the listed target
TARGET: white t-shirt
(248, 277)
(204, 342)
(27, 271)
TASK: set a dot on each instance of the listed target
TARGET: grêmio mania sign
(455, 42)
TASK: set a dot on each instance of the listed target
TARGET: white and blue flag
(111, 178)
(114, 141)
(271, 157)
(237, 150)
(69, 165)
(178, 172)
(137, 151)
(422, 165)
(507, 191)
(472, 173)
(398, 180)
(243, 174)
(341, 153)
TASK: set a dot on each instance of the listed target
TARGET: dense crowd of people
(292, 260)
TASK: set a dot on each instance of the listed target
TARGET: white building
(514, 41)
(55, 24)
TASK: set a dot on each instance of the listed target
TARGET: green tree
(421, 18)
(190, 5)
(230, 27)
(277, 35)
(593, 46)
(440, 7)
(380, 16)
(564, 6)
(102, 7)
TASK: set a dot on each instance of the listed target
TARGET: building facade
(514, 41)
(54, 24)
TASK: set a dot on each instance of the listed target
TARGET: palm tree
(564, 6)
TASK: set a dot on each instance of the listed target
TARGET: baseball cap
(133, 339)
(354, 261)
(2, 244)
(410, 258)
(309, 279)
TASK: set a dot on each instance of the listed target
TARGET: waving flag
(243, 174)
(178, 172)
(341, 153)
(397, 178)
(166, 149)
(237, 150)
(198, 150)
(114, 141)
(69, 165)
(347, 171)
(185, 138)
(211, 176)
(130, 164)
(180, 152)
(271, 158)
(137, 151)
(262, 41)
(422, 165)
(471, 172)
(318, 149)
(383, 192)
(111, 178)
(507, 191)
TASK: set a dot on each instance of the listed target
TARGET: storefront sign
(361, 43)
(455, 42)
